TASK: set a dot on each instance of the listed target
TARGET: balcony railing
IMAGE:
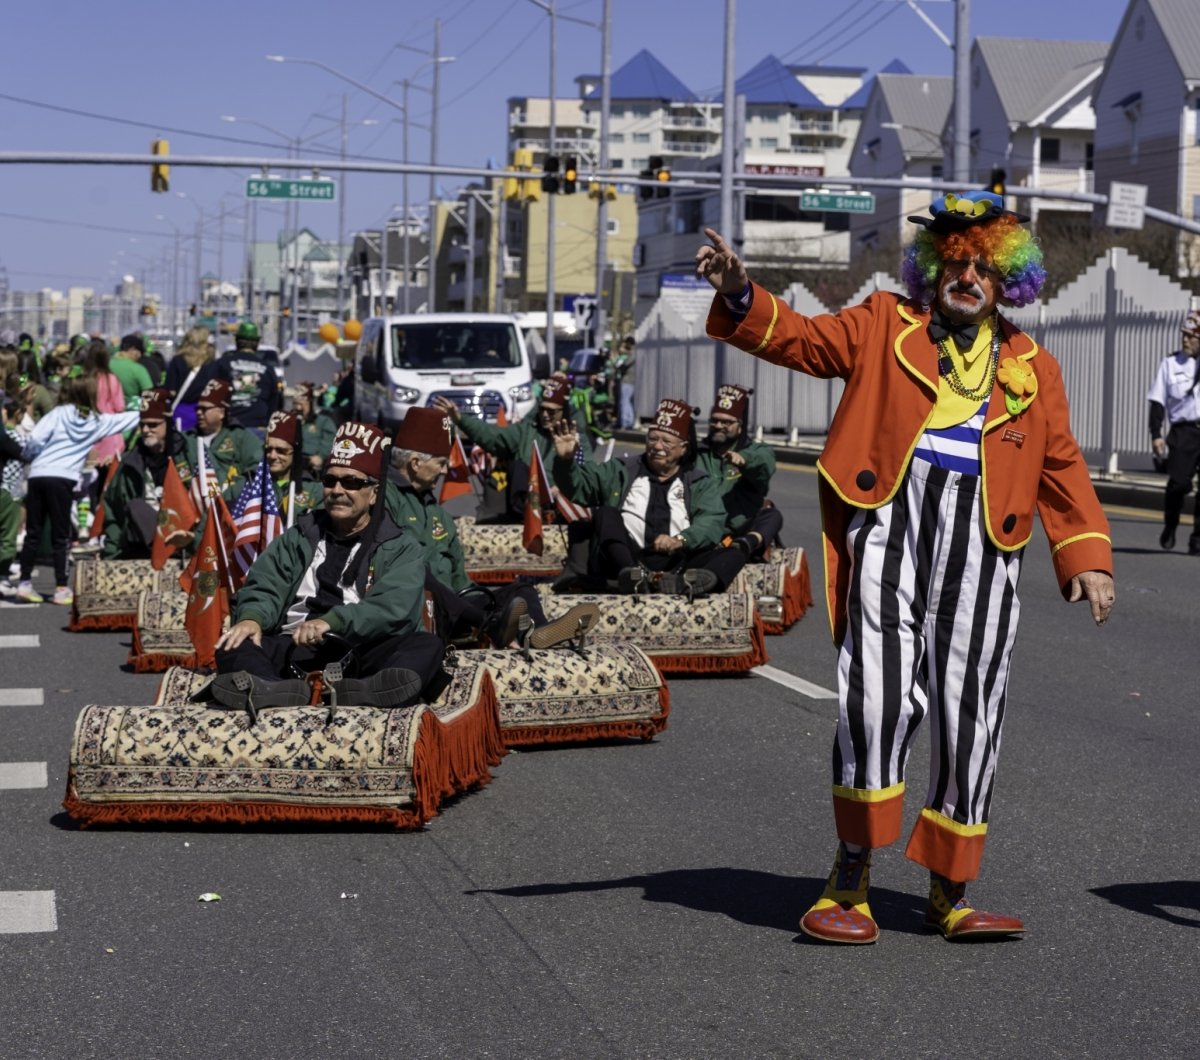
(687, 121)
(686, 147)
(807, 125)
(1066, 178)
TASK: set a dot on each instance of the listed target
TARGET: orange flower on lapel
(1019, 382)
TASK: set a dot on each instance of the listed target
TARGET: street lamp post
(199, 229)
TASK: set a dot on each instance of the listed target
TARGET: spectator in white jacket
(58, 449)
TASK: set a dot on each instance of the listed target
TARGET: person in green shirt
(127, 367)
(319, 425)
(513, 444)
(420, 453)
(231, 454)
(744, 469)
(284, 452)
(658, 518)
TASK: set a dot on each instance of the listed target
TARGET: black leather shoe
(393, 687)
(246, 691)
(1167, 537)
(504, 627)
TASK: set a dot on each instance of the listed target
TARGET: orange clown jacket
(882, 350)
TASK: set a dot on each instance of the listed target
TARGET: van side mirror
(539, 364)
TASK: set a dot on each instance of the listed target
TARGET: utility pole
(962, 92)
(551, 295)
(341, 260)
(728, 123)
(469, 299)
(433, 124)
(602, 211)
(404, 203)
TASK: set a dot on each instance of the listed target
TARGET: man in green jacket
(319, 426)
(283, 449)
(744, 469)
(420, 453)
(344, 576)
(134, 496)
(231, 454)
(513, 444)
(658, 517)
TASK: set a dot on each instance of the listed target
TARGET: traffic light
(662, 174)
(996, 182)
(598, 191)
(530, 188)
(160, 172)
(550, 180)
(570, 175)
(512, 186)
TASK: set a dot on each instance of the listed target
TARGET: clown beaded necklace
(948, 370)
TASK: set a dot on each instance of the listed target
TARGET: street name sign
(1126, 205)
(306, 190)
(838, 202)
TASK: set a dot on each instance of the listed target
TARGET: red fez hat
(156, 403)
(733, 400)
(425, 431)
(216, 392)
(556, 392)
(361, 447)
(285, 427)
(675, 417)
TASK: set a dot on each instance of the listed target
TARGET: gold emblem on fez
(664, 419)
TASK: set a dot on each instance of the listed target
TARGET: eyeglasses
(207, 408)
(350, 483)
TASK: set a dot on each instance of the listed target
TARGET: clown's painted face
(967, 289)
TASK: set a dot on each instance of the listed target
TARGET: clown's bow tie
(941, 327)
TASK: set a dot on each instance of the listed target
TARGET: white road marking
(22, 912)
(14, 775)
(21, 697)
(21, 640)
(796, 684)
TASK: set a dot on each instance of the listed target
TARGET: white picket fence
(1109, 329)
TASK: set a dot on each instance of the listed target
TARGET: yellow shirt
(973, 367)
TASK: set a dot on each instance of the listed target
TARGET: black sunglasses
(351, 483)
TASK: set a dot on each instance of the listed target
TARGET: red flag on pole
(539, 499)
(458, 474)
(98, 515)
(208, 599)
(501, 416)
(175, 512)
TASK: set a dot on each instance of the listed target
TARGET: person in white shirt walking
(1175, 398)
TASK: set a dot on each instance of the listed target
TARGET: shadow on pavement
(760, 899)
(1156, 899)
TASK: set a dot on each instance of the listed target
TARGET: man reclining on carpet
(658, 517)
(420, 454)
(344, 579)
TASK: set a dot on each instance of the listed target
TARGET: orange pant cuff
(946, 847)
(868, 818)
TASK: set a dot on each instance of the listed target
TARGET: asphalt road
(640, 900)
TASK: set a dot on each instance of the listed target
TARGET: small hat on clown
(952, 213)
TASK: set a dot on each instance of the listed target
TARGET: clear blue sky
(181, 65)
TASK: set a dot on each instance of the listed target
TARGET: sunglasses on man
(350, 483)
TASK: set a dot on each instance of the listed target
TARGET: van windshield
(451, 345)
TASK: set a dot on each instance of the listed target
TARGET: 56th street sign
(838, 202)
(307, 190)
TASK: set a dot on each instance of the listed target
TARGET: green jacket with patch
(391, 582)
(233, 454)
(131, 481)
(434, 528)
(743, 489)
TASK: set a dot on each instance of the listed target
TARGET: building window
(641, 138)
(768, 143)
(616, 163)
(1089, 156)
(614, 229)
(1196, 138)
(616, 138)
(641, 110)
(1049, 150)
(639, 163)
(935, 173)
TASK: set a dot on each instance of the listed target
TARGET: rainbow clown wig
(974, 225)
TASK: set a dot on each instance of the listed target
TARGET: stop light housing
(570, 174)
(550, 179)
(512, 186)
(662, 174)
(996, 182)
(530, 187)
(160, 172)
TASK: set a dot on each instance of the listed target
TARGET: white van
(478, 360)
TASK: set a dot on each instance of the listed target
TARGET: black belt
(1187, 423)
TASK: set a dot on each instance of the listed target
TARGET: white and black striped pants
(931, 622)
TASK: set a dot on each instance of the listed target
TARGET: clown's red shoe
(841, 914)
(950, 914)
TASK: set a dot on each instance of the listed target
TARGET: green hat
(247, 329)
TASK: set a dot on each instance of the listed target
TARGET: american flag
(567, 509)
(257, 517)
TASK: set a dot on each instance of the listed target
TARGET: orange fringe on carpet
(717, 664)
(507, 575)
(639, 728)
(117, 620)
(797, 598)
(448, 758)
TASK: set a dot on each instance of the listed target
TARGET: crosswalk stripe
(21, 697)
(20, 640)
(15, 775)
(796, 684)
(22, 912)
